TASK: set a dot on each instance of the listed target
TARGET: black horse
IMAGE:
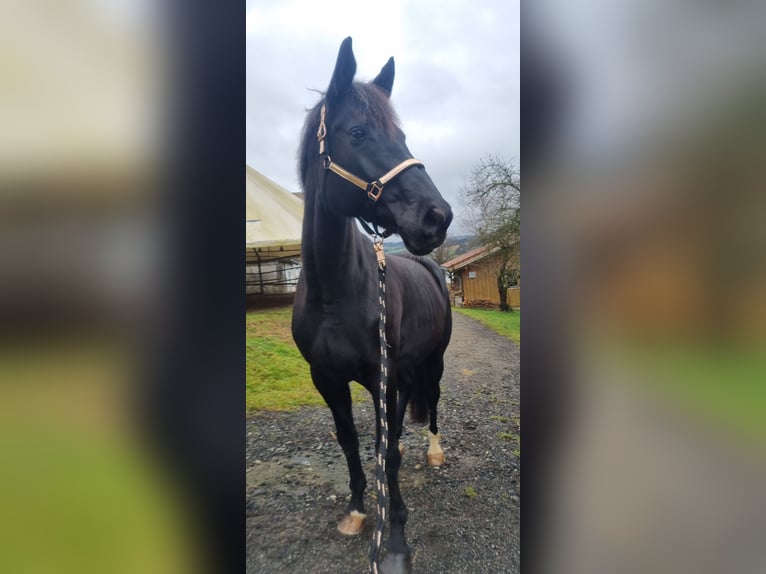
(336, 312)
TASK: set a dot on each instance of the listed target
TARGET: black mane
(366, 98)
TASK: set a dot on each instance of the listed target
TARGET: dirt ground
(463, 516)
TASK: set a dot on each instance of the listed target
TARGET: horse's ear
(385, 80)
(345, 68)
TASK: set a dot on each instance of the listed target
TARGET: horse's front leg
(397, 559)
(337, 395)
(401, 410)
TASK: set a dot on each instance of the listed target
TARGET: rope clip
(378, 246)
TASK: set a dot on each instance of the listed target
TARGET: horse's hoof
(396, 564)
(436, 459)
(435, 452)
(351, 523)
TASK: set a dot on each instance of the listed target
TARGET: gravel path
(463, 516)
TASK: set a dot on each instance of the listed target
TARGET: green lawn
(506, 324)
(277, 376)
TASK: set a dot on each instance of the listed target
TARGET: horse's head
(364, 139)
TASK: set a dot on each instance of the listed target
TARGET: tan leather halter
(373, 188)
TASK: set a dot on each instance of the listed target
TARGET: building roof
(467, 258)
(274, 219)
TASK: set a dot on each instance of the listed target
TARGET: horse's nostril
(435, 218)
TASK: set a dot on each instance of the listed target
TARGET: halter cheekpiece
(374, 189)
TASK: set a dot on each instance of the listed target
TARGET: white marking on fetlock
(435, 452)
(351, 523)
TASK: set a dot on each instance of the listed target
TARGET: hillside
(452, 247)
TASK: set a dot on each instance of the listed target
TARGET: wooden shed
(474, 278)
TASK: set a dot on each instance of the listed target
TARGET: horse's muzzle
(436, 218)
(433, 227)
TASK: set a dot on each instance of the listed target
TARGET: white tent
(274, 221)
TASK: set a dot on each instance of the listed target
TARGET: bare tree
(491, 202)
(441, 253)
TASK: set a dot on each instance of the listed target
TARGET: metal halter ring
(374, 190)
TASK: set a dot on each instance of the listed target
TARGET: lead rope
(380, 463)
(374, 190)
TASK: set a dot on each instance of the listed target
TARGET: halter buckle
(322, 131)
(374, 190)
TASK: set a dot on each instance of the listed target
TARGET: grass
(470, 492)
(514, 438)
(506, 324)
(277, 376)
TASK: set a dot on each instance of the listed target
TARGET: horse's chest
(343, 345)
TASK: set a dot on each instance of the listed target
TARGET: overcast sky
(456, 89)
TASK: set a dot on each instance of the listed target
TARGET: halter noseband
(374, 189)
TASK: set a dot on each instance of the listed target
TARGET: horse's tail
(426, 388)
(418, 405)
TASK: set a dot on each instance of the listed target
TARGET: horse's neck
(334, 255)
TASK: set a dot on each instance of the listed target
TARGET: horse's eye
(357, 133)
